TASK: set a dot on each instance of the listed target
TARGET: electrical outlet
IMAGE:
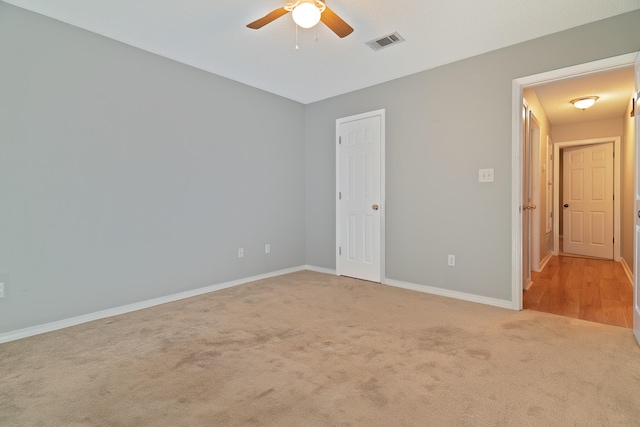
(267, 248)
(1, 290)
(451, 260)
(240, 253)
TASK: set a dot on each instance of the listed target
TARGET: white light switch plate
(485, 175)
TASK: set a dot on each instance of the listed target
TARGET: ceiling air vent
(386, 41)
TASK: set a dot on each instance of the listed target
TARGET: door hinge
(340, 195)
(339, 140)
(339, 250)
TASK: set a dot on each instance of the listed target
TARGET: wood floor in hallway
(590, 289)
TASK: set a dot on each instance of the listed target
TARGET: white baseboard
(528, 283)
(627, 270)
(544, 262)
(320, 270)
(77, 320)
(451, 294)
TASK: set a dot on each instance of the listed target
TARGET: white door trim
(516, 152)
(381, 114)
(616, 188)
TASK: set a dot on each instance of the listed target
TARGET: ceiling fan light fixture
(584, 102)
(317, 10)
(307, 13)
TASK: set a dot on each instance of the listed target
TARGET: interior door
(526, 198)
(360, 204)
(588, 200)
(636, 261)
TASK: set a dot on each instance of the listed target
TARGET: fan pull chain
(297, 48)
(316, 37)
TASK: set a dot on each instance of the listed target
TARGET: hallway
(590, 289)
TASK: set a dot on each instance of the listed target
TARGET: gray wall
(126, 176)
(442, 126)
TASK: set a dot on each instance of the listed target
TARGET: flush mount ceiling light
(584, 102)
(306, 13)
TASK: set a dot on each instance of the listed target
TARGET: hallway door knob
(565, 205)
(375, 207)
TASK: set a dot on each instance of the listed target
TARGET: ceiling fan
(306, 14)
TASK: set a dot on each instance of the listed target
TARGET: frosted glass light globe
(306, 15)
(583, 103)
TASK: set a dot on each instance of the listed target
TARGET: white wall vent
(386, 41)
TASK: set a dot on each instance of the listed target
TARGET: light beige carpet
(309, 349)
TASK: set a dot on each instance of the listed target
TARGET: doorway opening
(519, 85)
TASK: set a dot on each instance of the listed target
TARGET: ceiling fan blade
(335, 23)
(271, 16)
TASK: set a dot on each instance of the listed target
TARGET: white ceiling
(212, 35)
(614, 88)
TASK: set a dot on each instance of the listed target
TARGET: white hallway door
(588, 200)
(526, 198)
(360, 191)
(636, 258)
